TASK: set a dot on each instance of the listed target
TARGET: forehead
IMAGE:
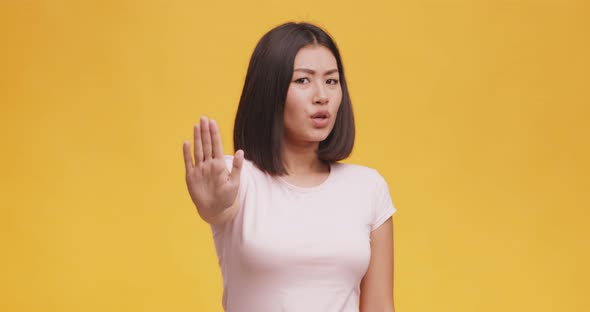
(315, 57)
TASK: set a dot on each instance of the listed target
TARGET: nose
(321, 96)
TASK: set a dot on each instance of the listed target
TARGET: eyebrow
(312, 72)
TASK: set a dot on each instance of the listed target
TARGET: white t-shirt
(297, 249)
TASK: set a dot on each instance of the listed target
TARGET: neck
(302, 159)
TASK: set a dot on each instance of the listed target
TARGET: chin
(319, 137)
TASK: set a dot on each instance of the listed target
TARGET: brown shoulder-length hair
(258, 127)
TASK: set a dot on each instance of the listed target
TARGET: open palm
(212, 187)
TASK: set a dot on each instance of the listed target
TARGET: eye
(332, 81)
(302, 80)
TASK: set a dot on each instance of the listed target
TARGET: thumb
(238, 162)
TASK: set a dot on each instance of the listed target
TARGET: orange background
(476, 112)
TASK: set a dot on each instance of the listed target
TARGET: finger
(217, 147)
(237, 167)
(188, 161)
(198, 144)
(206, 138)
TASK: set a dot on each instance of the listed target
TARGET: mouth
(320, 119)
(320, 115)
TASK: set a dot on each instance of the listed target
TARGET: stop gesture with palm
(212, 187)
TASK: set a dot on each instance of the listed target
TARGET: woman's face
(313, 97)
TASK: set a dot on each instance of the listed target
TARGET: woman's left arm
(377, 284)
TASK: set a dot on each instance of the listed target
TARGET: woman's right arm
(213, 189)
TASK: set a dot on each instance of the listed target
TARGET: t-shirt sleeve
(382, 204)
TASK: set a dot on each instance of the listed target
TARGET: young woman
(294, 229)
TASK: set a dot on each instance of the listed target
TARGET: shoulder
(361, 177)
(356, 171)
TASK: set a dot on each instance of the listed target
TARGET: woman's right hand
(211, 186)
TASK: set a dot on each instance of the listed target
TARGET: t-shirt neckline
(304, 189)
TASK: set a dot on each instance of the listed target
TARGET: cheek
(292, 110)
(337, 100)
(295, 103)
